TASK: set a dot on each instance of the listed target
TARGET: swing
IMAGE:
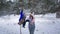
(21, 21)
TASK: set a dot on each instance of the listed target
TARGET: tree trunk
(58, 14)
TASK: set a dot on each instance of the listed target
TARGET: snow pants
(25, 23)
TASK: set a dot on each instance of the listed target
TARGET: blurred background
(47, 16)
(8, 7)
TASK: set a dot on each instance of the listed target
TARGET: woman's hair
(31, 12)
(31, 16)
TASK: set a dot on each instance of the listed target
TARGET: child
(22, 18)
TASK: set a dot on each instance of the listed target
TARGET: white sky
(11, 0)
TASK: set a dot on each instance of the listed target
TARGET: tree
(3, 5)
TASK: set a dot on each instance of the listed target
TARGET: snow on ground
(45, 24)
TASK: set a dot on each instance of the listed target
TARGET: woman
(31, 23)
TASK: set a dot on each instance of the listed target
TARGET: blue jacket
(21, 15)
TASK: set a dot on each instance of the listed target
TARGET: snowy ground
(47, 24)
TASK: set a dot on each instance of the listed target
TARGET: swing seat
(21, 21)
